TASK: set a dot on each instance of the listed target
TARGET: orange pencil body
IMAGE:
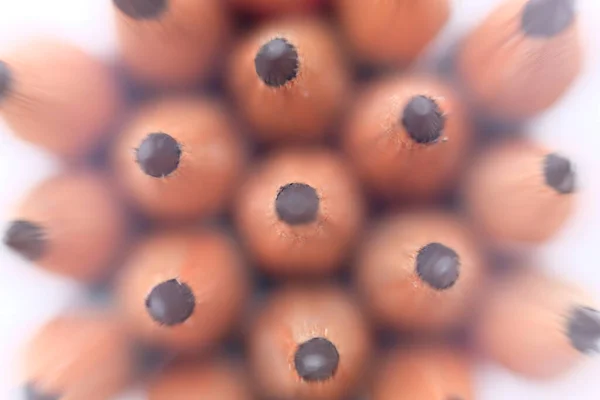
(522, 58)
(179, 157)
(300, 212)
(425, 373)
(70, 224)
(407, 137)
(75, 357)
(538, 326)
(214, 379)
(171, 42)
(183, 290)
(418, 271)
(391, 31)
(288, 80)
(276, 7)
(309, 343)
(520, 193)
(42, 103)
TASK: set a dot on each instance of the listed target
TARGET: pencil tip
(297, 203)
(31, 393)
(316, 360)
(423, 120)
(438, 266)
(5, 79)
(171, 302)
(584, 329)
(277, 62)
(141, 9)
(547, 18)
(559, 173)
(26, 238)
(158, 155)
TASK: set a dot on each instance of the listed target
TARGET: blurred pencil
(42, 103)
(520, 193)
(171, 42)
(522, 58)
(78, 356)
(537, 325)
(276, 7)
(426, 372)
(391, 31)
(70, 224)
(211, 379)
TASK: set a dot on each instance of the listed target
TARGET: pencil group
(294, 209)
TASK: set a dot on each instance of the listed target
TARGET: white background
(29, 297)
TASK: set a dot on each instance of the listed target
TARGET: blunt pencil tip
(316, 360)
(277, 62)
(559, 174)
(170, 303)
(547, 18)
(423, 120)
(31, 393)
(438, 266)
(297, 203)
(141, 9)
(584, 329)
(5, 79)
(158, 155)
(26, 238)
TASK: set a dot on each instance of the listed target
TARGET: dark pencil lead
(5, 79)
(26, 238)
(297, 203)
(158, 155)
(559, 174)
(423, 120)
(171, 302)
(141, 9)
(438, 266)
(316, 360)
(277, 62)
(547, 18)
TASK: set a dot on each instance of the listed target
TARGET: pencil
(407, 137)
(71, 224)
(183, 290)
(309, 343)
(419, 271)
(276, 7)
(424, 372)
(172, 150)
(537, 325)
(533, 187)
(299, 212)
(210, 379)
(42, 103)
(288, 80)
(174, 43)
(523, 58)
(391, 32)
(78, 356)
